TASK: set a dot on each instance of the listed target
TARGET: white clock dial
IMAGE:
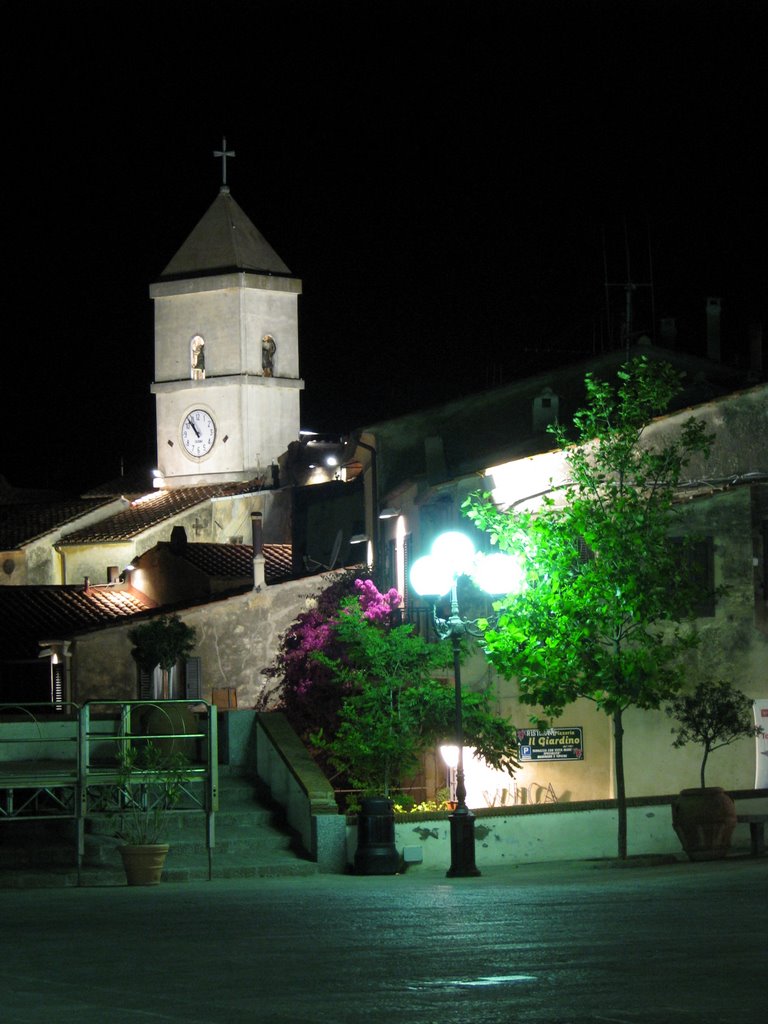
(198, 432)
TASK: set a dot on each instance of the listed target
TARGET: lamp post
(453, 555)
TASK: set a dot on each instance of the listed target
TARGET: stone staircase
(248, 845)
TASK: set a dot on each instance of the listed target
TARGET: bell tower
(227, 379)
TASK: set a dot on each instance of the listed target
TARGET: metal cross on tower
(223, 153)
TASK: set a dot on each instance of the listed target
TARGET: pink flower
(375, 606)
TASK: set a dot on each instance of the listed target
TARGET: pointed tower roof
(225, 240)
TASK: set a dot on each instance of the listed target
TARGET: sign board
(556, 744)
(761, 718)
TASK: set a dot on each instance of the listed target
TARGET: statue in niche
(197, 358)
(268, 347)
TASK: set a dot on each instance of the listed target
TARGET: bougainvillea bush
(310, 696)
(370, 696)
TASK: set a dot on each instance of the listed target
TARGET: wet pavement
(558, 943)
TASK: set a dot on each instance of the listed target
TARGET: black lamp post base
(462, 845)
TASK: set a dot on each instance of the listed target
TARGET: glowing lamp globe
(429, 576)
(450, 754)
(456, 551)
(498, 574)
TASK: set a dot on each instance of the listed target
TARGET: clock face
(198, 432)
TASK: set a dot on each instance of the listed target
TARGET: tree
(371, 686)
(714, 715)
(605, 613)
(163, 641)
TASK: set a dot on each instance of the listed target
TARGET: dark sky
(444, 177)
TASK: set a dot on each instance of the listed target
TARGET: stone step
(103, 849)
(248, 845)
(180, 822)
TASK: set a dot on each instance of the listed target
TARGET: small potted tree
(163, 641)
(713, 715)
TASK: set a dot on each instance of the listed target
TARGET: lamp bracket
(454, 625)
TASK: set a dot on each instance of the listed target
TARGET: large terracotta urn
(704, 820)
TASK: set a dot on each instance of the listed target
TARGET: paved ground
(559, 943)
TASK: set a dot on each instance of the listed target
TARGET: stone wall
(238, 638)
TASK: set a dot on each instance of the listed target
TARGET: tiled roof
(132, 486)
(10, 495)
(491, 427)
(236, 560)
(31, 614)
(278, 562)
(152, 509)
(220, 559)
(22, 523)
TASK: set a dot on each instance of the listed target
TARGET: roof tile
(151, 510)
(21, 524)
(29, 614)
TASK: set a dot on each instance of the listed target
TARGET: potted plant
(713, 715)
(151, 784)
(163, 641)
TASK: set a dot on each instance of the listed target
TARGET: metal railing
(38, 772)
(85, 777)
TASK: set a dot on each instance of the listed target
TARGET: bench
(756, 824)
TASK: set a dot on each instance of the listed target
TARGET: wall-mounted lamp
(389, 513)
(359, 538)
(125, 575)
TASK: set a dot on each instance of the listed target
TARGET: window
(184, 682)
(197, 358)
(699, 557)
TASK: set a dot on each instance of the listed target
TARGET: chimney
(257, 533)
(755, 334)
(178, 540)
(668, 331)
(434, 454)
(546, 408)
(86, 583)
(713, 329)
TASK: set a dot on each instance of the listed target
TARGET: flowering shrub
(310, 696)
(361, 689)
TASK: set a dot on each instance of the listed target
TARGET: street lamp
(453, 555)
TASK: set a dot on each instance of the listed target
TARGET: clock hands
(198, 433)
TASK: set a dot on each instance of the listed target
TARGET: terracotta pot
(144, 864)
(704, 820)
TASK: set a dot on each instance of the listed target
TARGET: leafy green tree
(605, 613)
(714, 715)
(162, 641)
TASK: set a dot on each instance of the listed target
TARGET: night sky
(449, 180)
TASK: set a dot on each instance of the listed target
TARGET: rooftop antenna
(630, 287)
(312, 563)
(224, 153)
